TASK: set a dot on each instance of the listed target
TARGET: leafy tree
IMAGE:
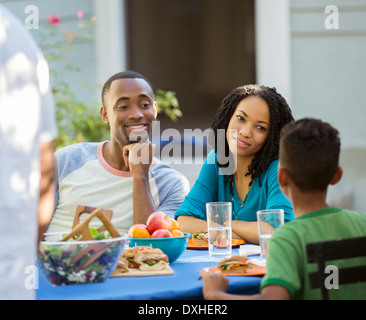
(78, 122)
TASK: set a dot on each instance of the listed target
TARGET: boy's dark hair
(280, 114)
(309, 153)
(129, 74)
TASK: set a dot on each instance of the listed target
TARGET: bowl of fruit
(160, 231)
(85, 255)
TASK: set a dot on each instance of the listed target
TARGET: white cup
(219, 229)
(268, 221)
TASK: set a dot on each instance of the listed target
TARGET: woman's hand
(191, 224)
(248, 231)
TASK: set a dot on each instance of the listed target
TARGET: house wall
(273, 45)
(328, 76)
(322, 74)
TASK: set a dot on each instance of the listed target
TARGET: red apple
(161, 233)
(158, 220)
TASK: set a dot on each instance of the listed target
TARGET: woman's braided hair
(280, 114)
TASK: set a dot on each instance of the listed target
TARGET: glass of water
(219, 229)
(268, 221)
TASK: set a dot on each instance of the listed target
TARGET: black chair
(320, 252)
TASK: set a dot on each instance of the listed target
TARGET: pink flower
(80, 14)
(53, 19)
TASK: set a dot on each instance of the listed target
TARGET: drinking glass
(219, 229)
(268, 221)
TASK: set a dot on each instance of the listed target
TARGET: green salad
(94, 233)
(68, 262)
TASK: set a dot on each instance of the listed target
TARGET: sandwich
(151, 259)
(236, 264)
(200, 238)
(129, 255)
(145, 258)
(122, 265)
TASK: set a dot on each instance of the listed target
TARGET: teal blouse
(211, 187)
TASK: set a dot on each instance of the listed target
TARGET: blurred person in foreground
(27, 169)
(309, 162)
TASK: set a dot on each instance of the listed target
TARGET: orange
(138, 231)
(175, 224)
(177, 233)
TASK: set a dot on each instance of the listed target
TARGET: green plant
(168, 104)
(78, 122)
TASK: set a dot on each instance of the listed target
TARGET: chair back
(320, 252)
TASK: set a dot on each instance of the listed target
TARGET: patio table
(182, 285)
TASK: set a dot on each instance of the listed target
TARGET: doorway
(201, 49)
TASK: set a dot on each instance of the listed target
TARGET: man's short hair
(309, 153)
(129, 74)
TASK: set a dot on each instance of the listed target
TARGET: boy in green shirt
(309, 162)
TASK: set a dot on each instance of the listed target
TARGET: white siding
(273, 52)
(328, 70)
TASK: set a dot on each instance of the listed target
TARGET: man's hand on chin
(138, 156)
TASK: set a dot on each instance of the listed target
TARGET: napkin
(258, 261)
(249, 250)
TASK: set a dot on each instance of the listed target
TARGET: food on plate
(158, 220)
(161, 233)
(144, 258)
(151, 259)
(139, 231)
(200, 238)
(129, 255)
(122, 265)
(236, 264)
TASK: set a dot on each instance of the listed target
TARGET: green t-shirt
(286, 260)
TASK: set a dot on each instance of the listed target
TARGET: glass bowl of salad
(77, 262)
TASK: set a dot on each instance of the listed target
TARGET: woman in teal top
(242, 168)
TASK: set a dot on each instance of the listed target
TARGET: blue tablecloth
(183, 285)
